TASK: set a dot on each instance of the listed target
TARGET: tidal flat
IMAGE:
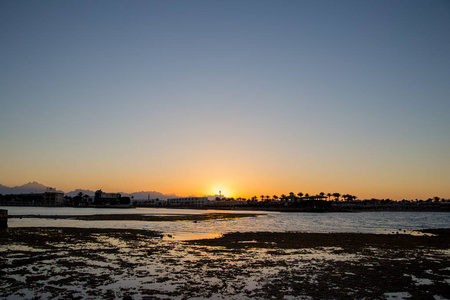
(88, 263)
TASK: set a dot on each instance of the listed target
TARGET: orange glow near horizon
(243, 186)
(206, 172)
(221, 190)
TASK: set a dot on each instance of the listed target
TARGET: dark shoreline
(427, 238)
(334, 209)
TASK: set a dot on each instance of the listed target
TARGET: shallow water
(365, 222)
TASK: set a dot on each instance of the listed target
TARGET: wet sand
(83, 263)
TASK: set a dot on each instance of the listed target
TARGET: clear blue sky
(250, 97)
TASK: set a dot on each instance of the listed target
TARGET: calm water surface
(366, 222)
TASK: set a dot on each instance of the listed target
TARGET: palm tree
(291, 196)
(300, 194)
(275, 197)
(77, 199)
(262, 197)
(336, 196)
(329, 196)
(85, 198)
(283, 197)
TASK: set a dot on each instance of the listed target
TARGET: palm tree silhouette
(336, 196)
(291, 196)
(86, 199)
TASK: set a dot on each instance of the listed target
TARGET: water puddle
(398, 296)
(188, 236)
(421, 281)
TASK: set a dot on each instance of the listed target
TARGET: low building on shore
(50, 197)
(102, 198)
(188, 201)
(110, 200)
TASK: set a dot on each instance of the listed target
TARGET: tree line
(335, 197)
(292, 197)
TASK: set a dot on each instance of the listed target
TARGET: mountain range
(35, 187)
(28, 188)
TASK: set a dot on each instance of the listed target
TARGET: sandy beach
(76, 263)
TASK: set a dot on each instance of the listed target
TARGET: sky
(246, 97)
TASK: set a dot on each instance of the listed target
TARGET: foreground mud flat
(76, 263)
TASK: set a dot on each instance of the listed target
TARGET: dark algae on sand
(77, 263)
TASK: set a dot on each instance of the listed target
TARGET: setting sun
(223, 191)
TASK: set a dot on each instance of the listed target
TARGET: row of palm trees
(292, 197)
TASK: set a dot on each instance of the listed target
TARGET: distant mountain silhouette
(35, 187)
(4, 189)
(28, 188)
(77, 191)
(143, 195)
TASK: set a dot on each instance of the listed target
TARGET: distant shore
(324, 206)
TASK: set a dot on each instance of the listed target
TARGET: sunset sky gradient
(246, 97)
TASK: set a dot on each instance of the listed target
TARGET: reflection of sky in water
(37, 210)
(367, 222)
